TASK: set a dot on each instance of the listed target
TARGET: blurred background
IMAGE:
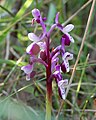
(25, 100)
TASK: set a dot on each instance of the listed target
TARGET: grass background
(21, 99)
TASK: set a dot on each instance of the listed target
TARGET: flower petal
(63, 83)
(65, 40)
(42, 45)
(66, 63)
(28, 49)
(68, 28)
(53, 63)
(58, 68)
(70, 37)
(36, 13)
(43, 55)
(44, 19)
(57, 17)
(56, 56)
(68, 56)
(27, 69)
(33, 37)
(61, 86)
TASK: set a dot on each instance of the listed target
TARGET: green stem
(48, 101)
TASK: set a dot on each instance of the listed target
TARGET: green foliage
(17, 18)
(14, 27)
(14, 110)
(51, 14)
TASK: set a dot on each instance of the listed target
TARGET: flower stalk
(48, 100)
(48, 83)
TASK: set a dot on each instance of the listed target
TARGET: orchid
(39, 51)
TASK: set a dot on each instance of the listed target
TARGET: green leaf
(12, 62)
(51, 13)
(11, 109)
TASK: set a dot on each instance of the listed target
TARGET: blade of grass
(23, 88)
(81, 78)
(51, 14)
(6, 79)
(11, 14)
(19, 16)
(70, 18)
(12, 62)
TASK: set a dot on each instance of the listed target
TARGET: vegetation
(26, 100)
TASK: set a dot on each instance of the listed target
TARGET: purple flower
(61, 86)
(35, 48)
(57, 74)
(65, 30)
(38, 18)
(65, 64)
(66, 37)
(56, 61)
(28, 70)
(60, 82)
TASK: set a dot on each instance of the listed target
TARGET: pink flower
(28, 70)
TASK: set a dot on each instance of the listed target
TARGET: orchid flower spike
(56, 61)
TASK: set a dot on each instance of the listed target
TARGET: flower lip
(65, 38)
(65, 65)
(70, 37)
(61, 86)
(27, 69)
(63, 68)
